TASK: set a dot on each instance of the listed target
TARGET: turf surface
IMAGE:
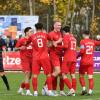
(16, 78)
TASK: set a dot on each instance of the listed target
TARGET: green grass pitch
(16, 78)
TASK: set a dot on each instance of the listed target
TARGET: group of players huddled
(56, 53)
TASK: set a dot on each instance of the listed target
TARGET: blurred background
(79, 14)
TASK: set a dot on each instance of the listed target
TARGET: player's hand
(50, 44)
(60, 39)
(22, 47)
(54, 44)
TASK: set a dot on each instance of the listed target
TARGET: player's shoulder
(21, 39)
(51, 33)
(82, 41)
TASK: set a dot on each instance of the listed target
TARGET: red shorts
(26, 64)
(56, 60)
(44, 63)
(66, 69)
(86, 68)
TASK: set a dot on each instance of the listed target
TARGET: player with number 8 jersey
(40, 52)
(40, 58)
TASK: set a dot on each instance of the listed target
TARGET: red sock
(34, 83)
(91, 83)
(49, 83)
(74, 83)
(67, 82)
(82, 81)
(54, 82)
(27, 86)
(22, 85)
(61, 84)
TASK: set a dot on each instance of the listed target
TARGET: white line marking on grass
(91, 99)
(2, 93)
(97, 98)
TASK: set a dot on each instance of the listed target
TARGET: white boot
(28, 93)
(20, 91)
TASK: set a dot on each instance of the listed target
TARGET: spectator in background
(98, 39)
(10, 43)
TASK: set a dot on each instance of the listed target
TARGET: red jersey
(28, 51)
(87, 47)
(39, 44)
(54, 36)
(69, 45)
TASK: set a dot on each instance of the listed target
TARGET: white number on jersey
(40, 43)
(73, 45)
(89, 49)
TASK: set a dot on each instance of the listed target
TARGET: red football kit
(55, 53)
(25, 55)
(87, 47)
(69, 60)
(40, 53)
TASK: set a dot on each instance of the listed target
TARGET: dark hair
(66, 29)
(86, 32)
(27, 29)
(39, 26)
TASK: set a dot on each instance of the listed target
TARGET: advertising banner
(12, 61)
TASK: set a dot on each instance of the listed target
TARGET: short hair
(66, 29)
(27, 29)
(86, 32)
(39, 26)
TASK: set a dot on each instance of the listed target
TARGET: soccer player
(40, 58)
(56, 57)
(2, 74)
(87, 47)
(69, 59)
(26, 60)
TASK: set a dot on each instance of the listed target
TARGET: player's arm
(50, 40)
(82, 50)
(97, 43)
(19, 45)
(55, 43)
(65, 43)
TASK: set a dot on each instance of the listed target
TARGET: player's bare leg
(68, 84)
(83, 85)
(27, 83)
(91, 84)
(35, 84)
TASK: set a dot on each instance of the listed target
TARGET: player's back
(70, 52)
(39, 41)
(87, 51)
